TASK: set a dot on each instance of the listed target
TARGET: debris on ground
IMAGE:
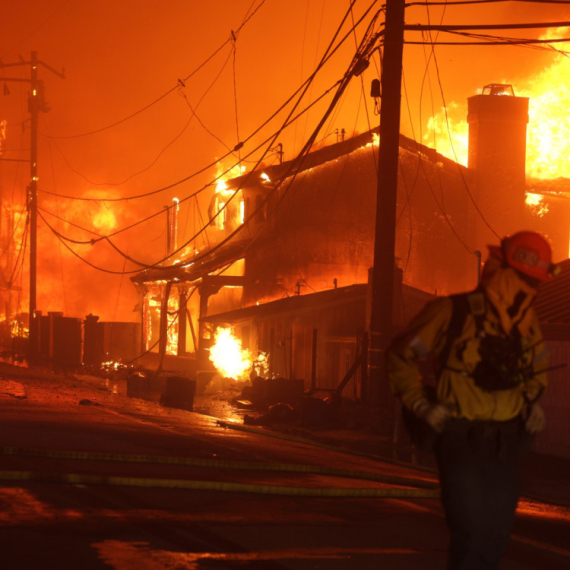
(87, 402)
(277, 414)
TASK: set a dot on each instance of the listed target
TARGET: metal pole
(385, 239)
(32, 206)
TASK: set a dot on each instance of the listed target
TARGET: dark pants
(479, 475)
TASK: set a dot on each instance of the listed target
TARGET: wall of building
(555, 439)
(324, 229)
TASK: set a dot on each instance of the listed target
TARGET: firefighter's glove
(434, 415)
(534, 418)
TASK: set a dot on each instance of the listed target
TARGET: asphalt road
(109, 523)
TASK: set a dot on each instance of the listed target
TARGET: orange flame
(548, 132)
(548, 139)
(226, 172)
(228, 356)
(535, 202)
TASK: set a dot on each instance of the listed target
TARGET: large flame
(226, 214)
(228, 356)
(226, 171)
(548, 139)
(548, 132)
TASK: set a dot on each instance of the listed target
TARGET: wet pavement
(543, 477)
(157, 529)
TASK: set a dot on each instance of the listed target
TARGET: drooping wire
(234, 51)
(130, 177)
(180, 89)
(35, 30)
(193, 195)
(185, 179)
(275, 135)
(185, 79)
(287, 121)
(463, 2)
(59, 244)
(369, 43)
(455, 154)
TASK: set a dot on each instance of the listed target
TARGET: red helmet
(527, 252)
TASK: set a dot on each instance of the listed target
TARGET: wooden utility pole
(385, 234)
(36, 103)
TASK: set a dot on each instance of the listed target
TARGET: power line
(180, 88)
(129, 177)
(357, 59)
(455, 155)
(463, 2)
(294, 165)
(288, 121)
(542, 44)
(164, 94)
(210, 165)
(160, 212)
(62, 240)
(240, 144)
(72, 224)
(463, 27)
(36, 29)
(368, 45)
(504, 42)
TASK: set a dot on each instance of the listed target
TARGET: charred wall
(323, 232)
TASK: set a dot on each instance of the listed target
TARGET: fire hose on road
(416, 488)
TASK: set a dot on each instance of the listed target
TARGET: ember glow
(228, 356)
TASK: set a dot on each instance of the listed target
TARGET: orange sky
(121, 56)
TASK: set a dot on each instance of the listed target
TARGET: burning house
(291, 246)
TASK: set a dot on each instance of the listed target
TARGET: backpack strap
(473, 303)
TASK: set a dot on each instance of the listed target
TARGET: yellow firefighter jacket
(507, 306)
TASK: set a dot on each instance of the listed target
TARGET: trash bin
(179, 393)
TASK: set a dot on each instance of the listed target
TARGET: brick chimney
(497, 153)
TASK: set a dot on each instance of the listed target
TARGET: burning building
(291, 245)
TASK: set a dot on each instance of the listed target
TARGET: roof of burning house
(194, 268)
(334, 151)
(413, 301)
(293, 304)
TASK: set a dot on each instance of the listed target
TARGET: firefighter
(490, 363)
